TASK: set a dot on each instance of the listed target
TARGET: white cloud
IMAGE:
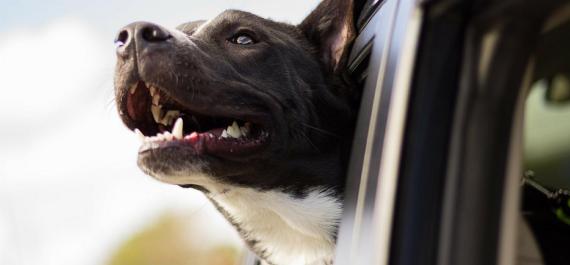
(43, 69)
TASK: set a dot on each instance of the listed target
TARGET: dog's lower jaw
(281, 228)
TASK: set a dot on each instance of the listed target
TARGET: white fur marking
(291, 230)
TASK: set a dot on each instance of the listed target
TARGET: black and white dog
(256, 114)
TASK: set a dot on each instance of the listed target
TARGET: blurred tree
(167, 242)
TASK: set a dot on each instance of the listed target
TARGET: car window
(546, 156)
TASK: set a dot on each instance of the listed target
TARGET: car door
(441, 183)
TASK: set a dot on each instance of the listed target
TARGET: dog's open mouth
(161, 122)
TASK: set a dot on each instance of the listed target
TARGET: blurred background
(70, 191)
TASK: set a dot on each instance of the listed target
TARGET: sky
(70, 191)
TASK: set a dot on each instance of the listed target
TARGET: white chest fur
(288, 230)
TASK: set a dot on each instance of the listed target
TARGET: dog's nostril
(122, 38)
(153, 33)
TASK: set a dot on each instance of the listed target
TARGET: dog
(258, 115)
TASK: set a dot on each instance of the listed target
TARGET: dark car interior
(479, 65)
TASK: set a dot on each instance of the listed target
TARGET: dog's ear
(331, 28)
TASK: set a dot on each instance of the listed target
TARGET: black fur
(286, 79)
(292, 80)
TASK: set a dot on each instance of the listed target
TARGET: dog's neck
(276, 224)
(295, 216)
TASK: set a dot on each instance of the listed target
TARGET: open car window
(546, 152)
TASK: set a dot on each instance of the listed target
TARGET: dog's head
(240, 99)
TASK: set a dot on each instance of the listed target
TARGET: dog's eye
(242, 39)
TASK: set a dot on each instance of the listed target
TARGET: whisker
(309, 140)
(111, 103)
(320, 130)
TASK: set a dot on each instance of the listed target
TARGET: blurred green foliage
(547, 138)
(167, 242)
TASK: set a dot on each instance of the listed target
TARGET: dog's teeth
(156, 99)
(133, 89)
(234, 131)
(224, 134)
(161, 136)
(169, 117)
(178, 128)
(156, 113)
(152, 91)
(231, 133)
(140, 135)
(168, 136)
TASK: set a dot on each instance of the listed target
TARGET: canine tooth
(156, 113)
(133, 89)
(178, 128)
(140, 135)
(224, 134)
(152, 90)
(156, 99)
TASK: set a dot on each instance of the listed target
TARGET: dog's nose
(141, 33)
